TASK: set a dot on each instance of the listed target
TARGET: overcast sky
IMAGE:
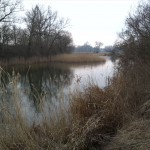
(90, 20)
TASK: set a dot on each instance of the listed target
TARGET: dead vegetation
(78, 58)
(62, 58)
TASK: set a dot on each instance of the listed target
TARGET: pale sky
(90, 20)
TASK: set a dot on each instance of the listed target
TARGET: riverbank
(63, 58)
(116, 117)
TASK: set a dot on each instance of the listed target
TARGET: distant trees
(97, 46)
(44, 34)
(84, 48)
(87, 48)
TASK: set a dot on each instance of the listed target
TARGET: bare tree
(136, 36)
(44, 28)
(7, 9)
(44, 33)
(97, 46)
(6, 36)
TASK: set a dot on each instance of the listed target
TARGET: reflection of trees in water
(40, 81)
(41, 87)
(47, 81)
(113, 58)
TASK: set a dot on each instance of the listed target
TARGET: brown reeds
(78, 58)
(62, 58)
(100, 113)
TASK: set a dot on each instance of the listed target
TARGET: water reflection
(97, 75)
(43, 89)
(37, 81)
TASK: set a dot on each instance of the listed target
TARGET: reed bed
(62, 58)
(78, 58)
(117, 116)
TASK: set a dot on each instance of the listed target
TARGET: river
(42, 90)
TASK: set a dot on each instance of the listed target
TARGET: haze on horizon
(90, 21)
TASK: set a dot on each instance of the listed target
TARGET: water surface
(42, 90)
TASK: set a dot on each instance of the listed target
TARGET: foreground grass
(63, 58)
(133, 136)
(117, 117)
(113, 118)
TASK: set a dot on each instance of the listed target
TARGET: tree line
(135, 38)
(44, 33)
(87, 48)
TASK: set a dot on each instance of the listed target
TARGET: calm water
(44, 89)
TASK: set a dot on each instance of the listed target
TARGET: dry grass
(78, 58)
(63, 58)
(134, 136)
(101, 113)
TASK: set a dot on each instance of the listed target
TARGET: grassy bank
(116, 117)
(63, 58)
